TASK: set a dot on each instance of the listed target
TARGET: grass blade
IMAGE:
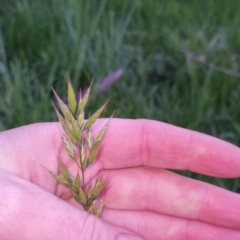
(72, 103)
(94, 117)
(82, 102)
(68, 147)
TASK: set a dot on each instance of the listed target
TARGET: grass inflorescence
(78, 135)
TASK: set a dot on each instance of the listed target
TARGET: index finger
(131, 143)
(127, 143)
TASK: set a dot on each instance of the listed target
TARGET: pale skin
(141, 198)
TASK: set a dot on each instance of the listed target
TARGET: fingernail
(128, 237)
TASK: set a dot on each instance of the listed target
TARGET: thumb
(28, 212)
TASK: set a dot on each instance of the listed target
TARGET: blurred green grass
(152, 41)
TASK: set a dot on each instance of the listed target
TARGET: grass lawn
(180, 61)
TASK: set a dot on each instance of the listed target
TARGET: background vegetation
(180, 61)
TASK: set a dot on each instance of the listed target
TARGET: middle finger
(165, 192)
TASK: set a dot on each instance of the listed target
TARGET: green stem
(83, 181)
(81, 164)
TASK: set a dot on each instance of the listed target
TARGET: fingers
(127, 143)
(156, 226)
(131, 143)
(168, 193)
(28, 212)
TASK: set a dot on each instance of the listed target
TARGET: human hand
(140, 197)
